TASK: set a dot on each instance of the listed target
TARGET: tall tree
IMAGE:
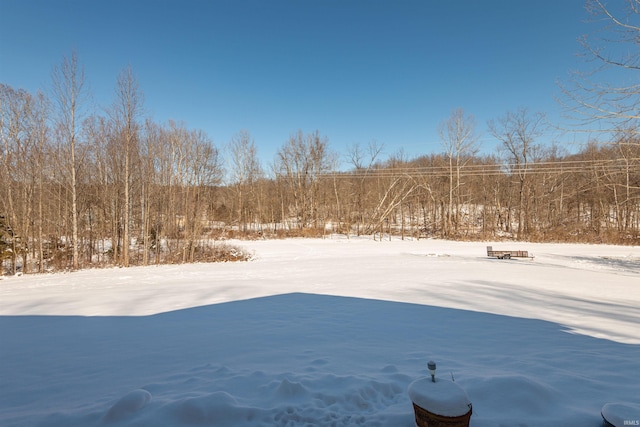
(40, 132)
(245, 172)
(300, 162)
(607, 89)
(14, 112)
(458, 135)
(69, 97)
(125, 114)
(201, 170)
(363, 161)
(518, 133)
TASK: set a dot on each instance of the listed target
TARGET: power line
(547, 167)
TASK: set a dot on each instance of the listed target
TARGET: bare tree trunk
(126, 109)
(68, 93)
(461, 144)
(246, 170)
(518, 131)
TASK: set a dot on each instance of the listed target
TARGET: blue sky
(357, 71)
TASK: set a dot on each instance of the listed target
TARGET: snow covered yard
(325, 332)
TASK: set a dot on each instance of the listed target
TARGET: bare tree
(23, 133)
(607, 89)
(518, 132)
(392, 190)
(245, 172)
(299, 164)
(10, 127)
(150, 158)
(604, 95)
(460, 142)
(40, 135)
(125, 114)
(200, 172)
(69, 96)
(14, 112)
(363, 161)
(624, 176)
(98, 186)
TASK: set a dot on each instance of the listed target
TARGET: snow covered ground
(325, 333)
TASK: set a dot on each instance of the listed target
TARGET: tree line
(120, 190)
(80, 189)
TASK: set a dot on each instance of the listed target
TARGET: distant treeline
(80, 189)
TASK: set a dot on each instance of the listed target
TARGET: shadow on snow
(295, 359)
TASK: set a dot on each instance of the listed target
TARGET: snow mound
(217, 408)
(288, 390)
(621, 414)
(293, 401)
(514, 394)
(441, 397)
(128, 405)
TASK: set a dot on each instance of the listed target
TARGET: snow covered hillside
(325, 332)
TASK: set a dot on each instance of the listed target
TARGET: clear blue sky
(357, 71)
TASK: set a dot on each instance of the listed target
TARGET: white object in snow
(441, 397)
(621, 414)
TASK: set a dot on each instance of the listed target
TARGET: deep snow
(326, 332)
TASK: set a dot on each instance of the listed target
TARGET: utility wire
(503, 169)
